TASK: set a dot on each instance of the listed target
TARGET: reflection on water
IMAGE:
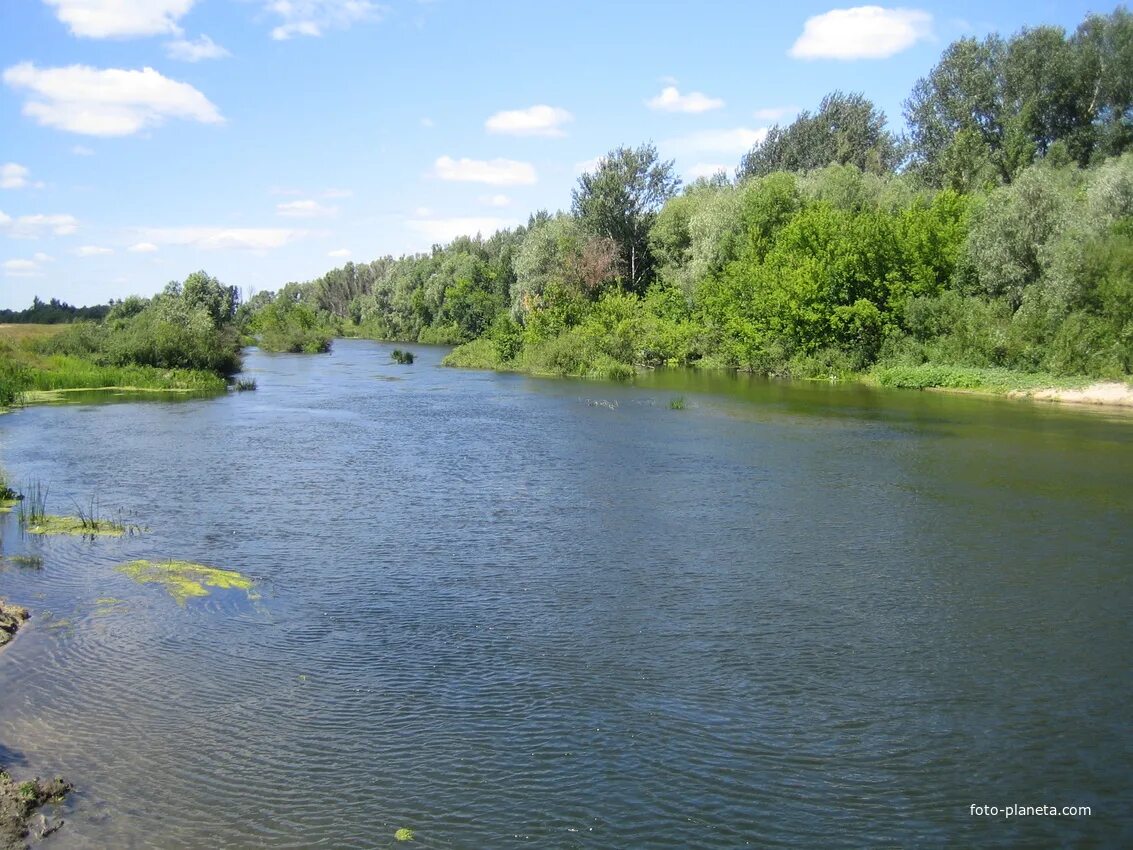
(499, 614)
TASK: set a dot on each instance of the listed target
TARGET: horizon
(146, 141)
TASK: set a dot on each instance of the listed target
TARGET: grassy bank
(28, 376)
(551, 361)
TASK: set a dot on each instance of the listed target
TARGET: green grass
(930, 375)
(65, 372)
(677, 403)
(478, 354)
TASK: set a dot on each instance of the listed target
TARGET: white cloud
(734, 141)
(338, 193)
(315, 17)
(82, 150)
(446, 229)
(671, 100)
(541, 120)
(588, 166)
(34, 226)
(863, 32)
(41, 257)
(339, 253)
(142, 248)
(428, 122)
(494, 172)
(495, 200)
(221, 238)
(195, 51)
(774, 113)
(15, 176)
(106, 102)
(22, 268)
(706, 169)
(304, 209)
(93, 251)
(120, 18)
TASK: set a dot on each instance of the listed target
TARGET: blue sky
(270, 140)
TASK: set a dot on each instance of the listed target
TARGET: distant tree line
(54, 312)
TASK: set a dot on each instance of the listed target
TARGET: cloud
(106, 102)
(221, 238)
(22, 268)
(315, 17)
(339, 253)
(863, 32)
(671, 100)
(121, 18)
(15, 176)
(195, 51)
(439, 230)
(34, 226)
(338, 193)
(494, 172)
(774, 113)
(495, 200)
(738, 140)
(428, 122)
(304, 209)
(706, 169)
(142, 248)
(82, 150)
(588, 166)
(92, 251)
(541, 120)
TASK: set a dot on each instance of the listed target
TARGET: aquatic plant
(243, 385)
(83, 526)
(33, 562)
(183, 579)
(403, 834)
(403, 357)
(33, 507)
(677, 403)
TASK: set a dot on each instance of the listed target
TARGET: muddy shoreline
(21, 799)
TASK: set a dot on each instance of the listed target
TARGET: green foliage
(404, 358)
(187, 327)
(288, 324)
(620, 200)
(847, 130)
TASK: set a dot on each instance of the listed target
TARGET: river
(511, 612)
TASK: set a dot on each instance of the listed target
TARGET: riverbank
(19, 801)
(969, 380)
(30, 377)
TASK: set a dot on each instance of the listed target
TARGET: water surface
(509, 612)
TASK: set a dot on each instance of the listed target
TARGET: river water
(510, 612)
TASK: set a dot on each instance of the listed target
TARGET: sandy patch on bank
(1105, 392)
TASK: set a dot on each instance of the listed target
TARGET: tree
(847, 130)
(620, 201)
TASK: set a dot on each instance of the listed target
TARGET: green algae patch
(403, 835)
(109, 605)
(6, 505)
(183, 579)
(79, 526)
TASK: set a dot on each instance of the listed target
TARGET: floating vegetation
(31, 562)
(106, 605)
(601, 402)
(244, 385)
(677, 403)
(80, 526)
(403, 357)
(183, 579)
(403, 834)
